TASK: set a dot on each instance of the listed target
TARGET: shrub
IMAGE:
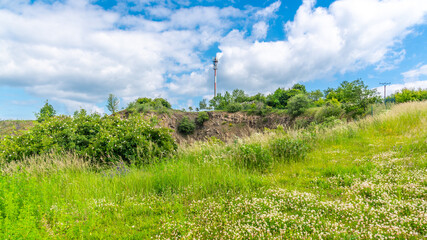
(258, 108)
(409, 95)
(288, 149)
(331, 109)
(253, 156)
(163, 102)
(186, 126)
(144, 100)
(298, 104)
(100, 139)
(234, 107)
(146, 104)
(202, 117)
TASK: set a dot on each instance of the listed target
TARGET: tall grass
(264, 186)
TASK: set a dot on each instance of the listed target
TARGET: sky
(74, 53)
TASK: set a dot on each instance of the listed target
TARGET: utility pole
(385, 90)
(215, 67)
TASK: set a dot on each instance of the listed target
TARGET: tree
(298, 104)
(355, 96)
(203, 104)
(239, 96)
(46, 111)
(163, 102)
(112, 103)
(315, 95)
(279, 99)
(299, 87)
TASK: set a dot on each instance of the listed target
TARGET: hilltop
(364, 179)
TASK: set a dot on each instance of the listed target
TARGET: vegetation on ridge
(362, 180)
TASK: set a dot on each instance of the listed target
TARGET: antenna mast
(215, 67)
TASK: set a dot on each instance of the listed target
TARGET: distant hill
(8, 127)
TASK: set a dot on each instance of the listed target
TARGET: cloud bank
(76, 52)
(347, 36)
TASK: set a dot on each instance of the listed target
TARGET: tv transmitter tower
(215, 67)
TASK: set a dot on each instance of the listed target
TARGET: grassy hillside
(366, 179)
(8, 127)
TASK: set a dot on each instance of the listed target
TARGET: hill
(222, 125)
(361, 180)
(8, 127)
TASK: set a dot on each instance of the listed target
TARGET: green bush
(143, 100)
(332, 109)
(234, 107)
(147, 104)
(409, 95)
(186, 126)
(163, 102)
(258, 108)
(288, 149)
(100, 139)
(253, 156)
(202, 117)
(298, 104)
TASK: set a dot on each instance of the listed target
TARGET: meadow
(358, 180)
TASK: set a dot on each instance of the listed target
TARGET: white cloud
(347, 36)
(393, 88)
(76, 53)
(269, 11)
(415, 74)
(259, 30)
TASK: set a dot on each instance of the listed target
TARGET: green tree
(279, 99)
(203, 104)
(299, 87)
(298, 104)
(239, 96)
(46, 112)
(355, 97)
(112, 103)
(315, 95)
(163, 102)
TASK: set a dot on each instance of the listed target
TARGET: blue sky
(74, 53)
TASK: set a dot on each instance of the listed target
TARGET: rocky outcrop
(222, 125)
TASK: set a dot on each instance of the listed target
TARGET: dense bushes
(202, 117)
(354, 99)
(408, 95)
(147, 104)
(101, 139)
(186, 126)
(298, 104)
(330, 109)
(234, 107)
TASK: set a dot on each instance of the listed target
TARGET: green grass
(361, 180)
